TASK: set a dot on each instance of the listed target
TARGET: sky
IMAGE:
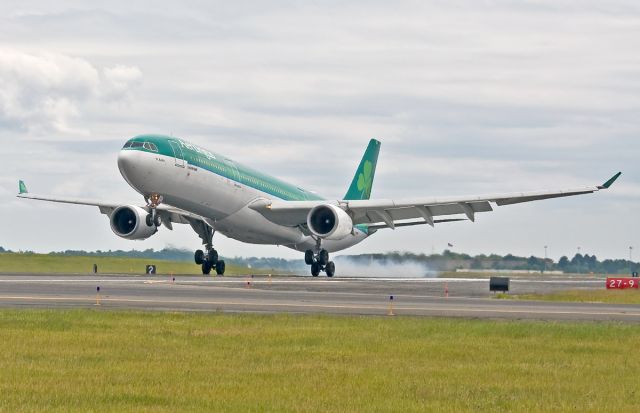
(467, 96)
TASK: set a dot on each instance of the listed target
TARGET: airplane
(185, 184)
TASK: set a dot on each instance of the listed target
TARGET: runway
(360, 296)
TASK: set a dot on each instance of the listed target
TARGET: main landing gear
(208, 260)
(319, 261)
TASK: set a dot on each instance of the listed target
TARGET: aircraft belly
(250, 226)
(331, 245)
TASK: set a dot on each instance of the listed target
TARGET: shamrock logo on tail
(365, 180)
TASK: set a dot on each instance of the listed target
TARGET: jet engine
(130, 222)
(329, 222)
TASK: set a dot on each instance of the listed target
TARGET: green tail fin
(363, 180)
(22, 187)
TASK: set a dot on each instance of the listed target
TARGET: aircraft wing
(387, 213)
(169, 214)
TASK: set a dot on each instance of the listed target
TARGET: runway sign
(621, 283)
(151, 269)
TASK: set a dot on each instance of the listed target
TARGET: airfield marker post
(390, 312)
(97, 295)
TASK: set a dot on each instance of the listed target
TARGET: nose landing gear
(319, 261)
(153, 218)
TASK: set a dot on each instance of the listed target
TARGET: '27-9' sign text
(622, 283)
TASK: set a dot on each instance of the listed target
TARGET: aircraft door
(177, 154)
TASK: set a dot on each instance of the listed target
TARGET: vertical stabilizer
(363, 180)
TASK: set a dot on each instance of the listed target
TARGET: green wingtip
(610, 182)
(22, 187)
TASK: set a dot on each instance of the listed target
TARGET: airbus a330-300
(185, 184)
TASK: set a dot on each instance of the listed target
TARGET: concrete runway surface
(363, 296)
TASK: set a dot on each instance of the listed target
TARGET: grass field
(167, 362)
(36, 263)
(630, 296)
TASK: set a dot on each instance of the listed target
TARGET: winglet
(22, 187)
(610, 182)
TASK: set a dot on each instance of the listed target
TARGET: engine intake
(329, 222)
(129, 222)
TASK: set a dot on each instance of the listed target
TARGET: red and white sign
(622, 283)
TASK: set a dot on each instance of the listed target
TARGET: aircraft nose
(127, 164)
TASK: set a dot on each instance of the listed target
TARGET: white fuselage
(223, 202)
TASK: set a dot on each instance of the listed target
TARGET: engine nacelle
(130, 222)
(329, 222)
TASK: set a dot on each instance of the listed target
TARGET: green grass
(630, 296)
(45, 263)
(166, 362)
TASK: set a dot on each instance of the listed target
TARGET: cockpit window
(151, 146)
(137, 144)
(126, 145)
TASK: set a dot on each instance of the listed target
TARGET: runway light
(390, 312)
(97, 295)
(446, 290)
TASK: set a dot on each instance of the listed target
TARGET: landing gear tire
(213, 257)
(308, 257)
(199, 257)
(206, 268)
(330, 269)
(315, 269)
(150, 221)
(323, 257)
(220, 267)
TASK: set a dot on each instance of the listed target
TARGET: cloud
(119, 80)
(44, 92)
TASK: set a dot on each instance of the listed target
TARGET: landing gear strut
(319, 261)
(208, 260)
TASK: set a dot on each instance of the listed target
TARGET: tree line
(447, 261)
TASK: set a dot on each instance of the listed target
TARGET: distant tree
(564, 262)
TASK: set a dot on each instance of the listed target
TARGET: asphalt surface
(363, 296)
